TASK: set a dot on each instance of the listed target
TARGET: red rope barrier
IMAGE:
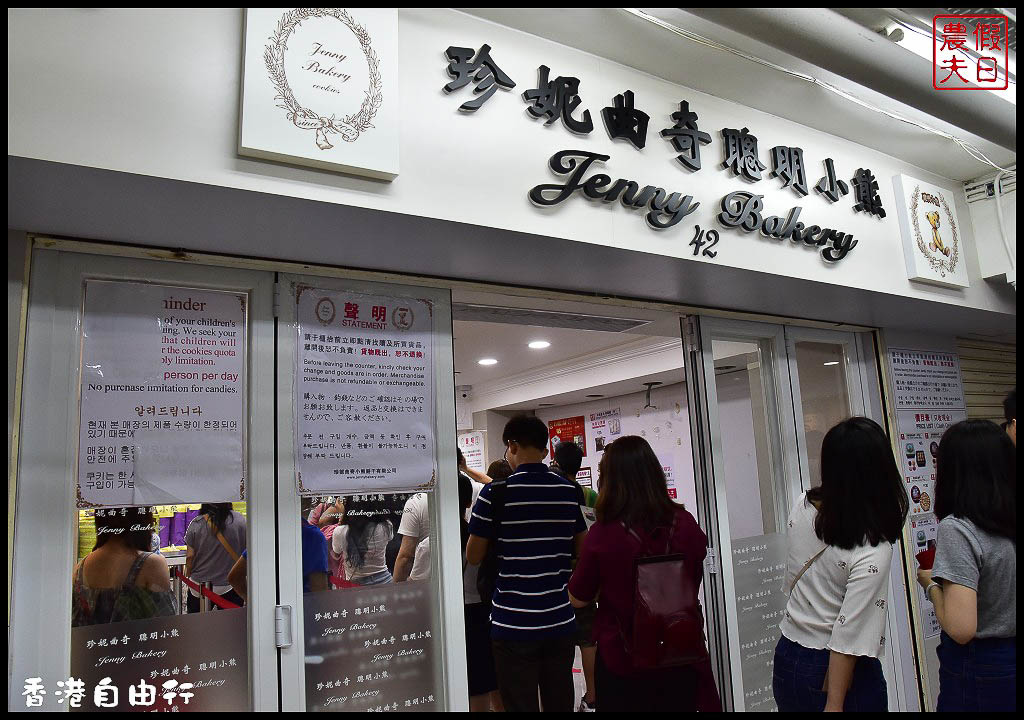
(207, 593)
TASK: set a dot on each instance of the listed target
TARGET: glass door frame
(446, 555)
(709, 468)
(44, 556)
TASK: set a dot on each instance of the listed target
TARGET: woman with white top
(973, 584)
(841, 536)
(363, 537)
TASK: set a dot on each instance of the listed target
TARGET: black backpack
(487, 576)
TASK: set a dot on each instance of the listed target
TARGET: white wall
(666, 428)
(156, 92)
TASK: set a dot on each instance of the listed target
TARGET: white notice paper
(364, 402)
(163, 398)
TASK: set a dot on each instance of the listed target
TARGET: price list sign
(371, 649)
(364, 393)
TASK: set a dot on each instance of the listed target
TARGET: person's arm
(578, 540)
(236, 576)
(155, 576)
(476, 549)
(586, 578)
(838, 679)
(331, 515)
(480, 477)
(956, 607)
(190, 555)
(406, 556)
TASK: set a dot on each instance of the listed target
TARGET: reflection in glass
(821, 369)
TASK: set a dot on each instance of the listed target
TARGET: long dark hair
(976, 477)
(131, 526)
(219, 514)
(362, 515)
(861, 496)
(633, 486)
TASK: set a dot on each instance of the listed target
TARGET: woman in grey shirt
(973, 584)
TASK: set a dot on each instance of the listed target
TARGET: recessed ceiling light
(487, 361)
(539, 344)
(832, 362)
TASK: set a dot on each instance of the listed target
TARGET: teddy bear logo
(936, 244)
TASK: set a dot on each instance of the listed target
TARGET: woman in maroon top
(634, 495)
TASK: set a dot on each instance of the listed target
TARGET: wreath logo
(942, 257)
(348, 127)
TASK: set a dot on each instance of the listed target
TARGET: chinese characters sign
(196, 662)
(970, 52)
(568, 430)
(364, 393)
(163, 395)
(759, 568)
(929, 397)
(371, 649)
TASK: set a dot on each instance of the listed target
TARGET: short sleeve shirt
(840, 601)
(314, 553)
(211, 562)
(415, 523)
(538, 522)
(969, 556)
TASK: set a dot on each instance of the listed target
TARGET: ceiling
(657, 51)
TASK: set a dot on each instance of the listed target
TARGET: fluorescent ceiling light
(539, 344)
(487, 361)
(833, 362)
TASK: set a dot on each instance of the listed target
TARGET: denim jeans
(381, 578)
(799, 676)
(980, 676)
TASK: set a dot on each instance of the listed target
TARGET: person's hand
(924, 578)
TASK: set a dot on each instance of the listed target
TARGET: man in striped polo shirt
(534, 519)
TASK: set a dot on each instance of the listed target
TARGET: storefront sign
(472, 446)
(371, 649)
(560, 99)
(319, 88)
(759, 569)
(182, 663)
(163, 395)
(584, 477)
(929, 397)
(568, 430)
(931, 235)
(364, 393)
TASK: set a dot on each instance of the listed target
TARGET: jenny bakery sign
(320, 88)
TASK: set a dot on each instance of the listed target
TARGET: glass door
(366, 462)
(745, 437)
(146, 432)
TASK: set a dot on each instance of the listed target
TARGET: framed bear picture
(933, 243)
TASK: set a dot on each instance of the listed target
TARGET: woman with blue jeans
(363, 537)
(841, 537)
(973, 584)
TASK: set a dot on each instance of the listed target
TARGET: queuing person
(214, 541)
(499, 469)
(413, 561)
(1010, 413)
(531, 524)
(567, 461)
(362, 539)
(635, 518)
(841, 536)
(483, 682)
(329, 511)
(973, 583)
(474, 475)
(120, 579)
(314, 563)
